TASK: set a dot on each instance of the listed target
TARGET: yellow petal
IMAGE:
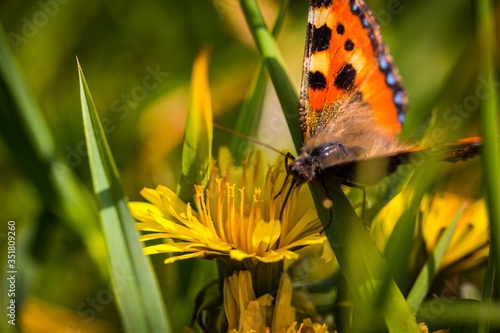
(265, 235)
(230, 305)
(185, 256)
(239, 255)
(315, 239)
(308, 222)
(198, 232)
(327, 254)
(149, 226)
(152, 196)
(140, 210)
(173, 205)
(164, 235)
(284, 313)
(274, 256)
(173, 247)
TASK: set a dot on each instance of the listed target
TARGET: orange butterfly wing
(349, 80)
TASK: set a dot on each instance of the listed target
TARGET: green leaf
(37, 129)
(401, 242)
(197, 147)
(136, 290)
(422, 284)
(457, 315)
(362, 265)
(250, 113)
(489, 121)
(486, 299)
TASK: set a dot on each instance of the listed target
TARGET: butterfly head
(312, 160)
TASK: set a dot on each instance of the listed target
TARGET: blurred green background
(119, 46)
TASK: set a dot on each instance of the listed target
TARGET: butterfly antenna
(248, 138)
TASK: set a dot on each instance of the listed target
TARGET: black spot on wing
(340, 29)
(317, 80)
(321, 38)
(309, 39)
(320, 3)
(345, 78)
(348, 45)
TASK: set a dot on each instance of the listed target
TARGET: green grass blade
(457, 315)
(37, 129)
(249, 116)
(197, 147)
(400, 244)
(486, 304)
(421, 286)
(276, 68)
(24, 128)
(136, 290)
(251, 110)
(362, 264)
(489, 121)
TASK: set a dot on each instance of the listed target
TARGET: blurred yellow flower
(469, 245)
(236, 216)
(246, 313)
(422, 327)
(40, 316)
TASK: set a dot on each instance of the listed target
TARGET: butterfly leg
(362, 188)
(292, 185)
(282, 187)
(288, 156)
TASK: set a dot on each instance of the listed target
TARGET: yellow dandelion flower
(236, 216)
(246, 313)
(469, 245)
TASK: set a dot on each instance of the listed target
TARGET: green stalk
(489, 124)
(424, 280)
(485, 311)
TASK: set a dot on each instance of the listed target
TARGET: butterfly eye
(330, 149)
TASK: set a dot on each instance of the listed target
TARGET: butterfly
(353, 103)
